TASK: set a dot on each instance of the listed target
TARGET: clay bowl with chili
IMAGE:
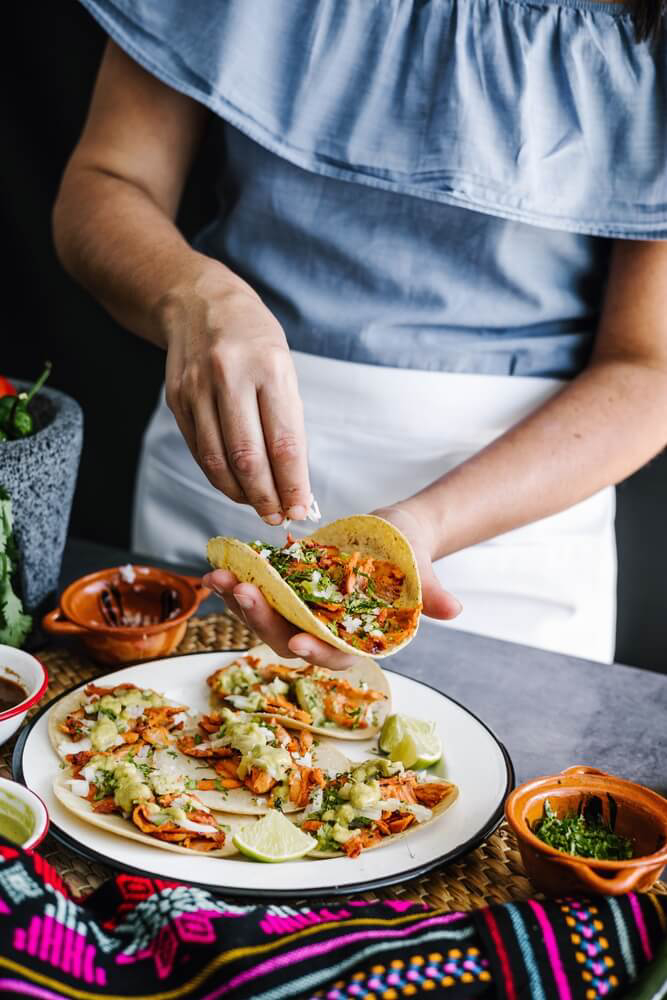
(129, 613)
(630, 810)
(23, 681)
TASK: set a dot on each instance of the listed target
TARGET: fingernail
(297, 513)
(244, 601)
(273, 519)
(300, 650)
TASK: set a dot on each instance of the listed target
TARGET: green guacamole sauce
(584, 834)
(17, 822)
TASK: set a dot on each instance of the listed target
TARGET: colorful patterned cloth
(147, 938)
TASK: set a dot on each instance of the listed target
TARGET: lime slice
(412, 741)
(273, 838)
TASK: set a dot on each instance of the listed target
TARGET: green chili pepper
(16, 421)
(22, 423)
(6, 407)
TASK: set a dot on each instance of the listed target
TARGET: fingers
(191, 402)
(281, 413)
(178, 406)
(438, 602)
(222, 582)
(271, 627)
(247, 603)
(315, 651)
(232, 387)
(246, 449)
(210, 450)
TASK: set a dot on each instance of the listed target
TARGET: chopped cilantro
(584, 834)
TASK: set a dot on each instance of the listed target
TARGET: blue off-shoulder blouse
(429, 184)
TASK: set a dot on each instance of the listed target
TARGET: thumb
(438, 602)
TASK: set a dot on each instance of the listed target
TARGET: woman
(437, 265)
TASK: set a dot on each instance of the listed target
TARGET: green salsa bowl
(24, 820)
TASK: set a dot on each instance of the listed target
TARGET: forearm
(599, 429)
(117, 242)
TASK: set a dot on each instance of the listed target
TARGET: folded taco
(347, 704)
(257, 764)
(143, 798)
(371, 804)
(354, 583)
(101, 718)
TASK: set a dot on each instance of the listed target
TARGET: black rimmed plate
(474, 759)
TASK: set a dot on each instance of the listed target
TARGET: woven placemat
(493, 873)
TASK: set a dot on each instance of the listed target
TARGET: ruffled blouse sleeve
(543, 112)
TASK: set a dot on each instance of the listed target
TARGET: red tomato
(6, 387)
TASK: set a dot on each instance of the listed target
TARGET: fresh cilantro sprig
(14, 624)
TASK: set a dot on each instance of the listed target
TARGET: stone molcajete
(39, 473)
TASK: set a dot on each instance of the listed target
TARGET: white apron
(377, 435)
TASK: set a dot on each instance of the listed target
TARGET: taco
(257, 765)
(353, 583)
(101, 718)
(143, 799)
(347, 704)
(371, 804)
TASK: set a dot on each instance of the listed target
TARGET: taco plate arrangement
(346, 704)
(354, 583)
(136, 764)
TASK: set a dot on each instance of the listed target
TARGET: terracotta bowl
(641, 815)
(97, 609)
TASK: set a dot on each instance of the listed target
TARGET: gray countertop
(550, 711)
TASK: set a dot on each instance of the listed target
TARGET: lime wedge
(273, 838)
(412, 741)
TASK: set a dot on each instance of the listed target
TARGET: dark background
(114, 375)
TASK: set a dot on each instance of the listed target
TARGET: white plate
(475, 761)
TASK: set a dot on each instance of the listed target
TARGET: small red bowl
(30, 674)
(81, 613)
(641, 815)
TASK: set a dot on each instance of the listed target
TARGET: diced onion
(421, 813)
(127, 573)
(187, 824)
(305, 761)
(316, 800)
(67, 746)
(79, 787)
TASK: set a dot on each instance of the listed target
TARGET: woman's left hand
(247, 602)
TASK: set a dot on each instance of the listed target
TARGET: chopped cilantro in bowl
(584, 833)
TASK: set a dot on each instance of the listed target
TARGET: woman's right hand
(232, 388)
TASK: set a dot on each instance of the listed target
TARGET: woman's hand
(232, 388)
(247, 602)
